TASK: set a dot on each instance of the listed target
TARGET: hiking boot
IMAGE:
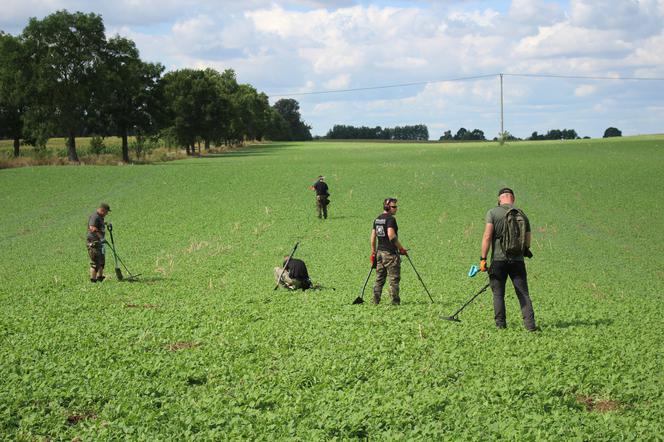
(100, 278)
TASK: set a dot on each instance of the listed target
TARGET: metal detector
(286, 265)
(454, 316)
(420, 278)
(117, 259)
(360, 299)
(474, 270)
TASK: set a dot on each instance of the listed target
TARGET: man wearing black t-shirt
(385, 251)
(322, 196)
(95, 242)
(295, 276)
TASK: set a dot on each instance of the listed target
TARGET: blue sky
(297, 46)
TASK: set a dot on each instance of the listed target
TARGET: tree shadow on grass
(581, 323)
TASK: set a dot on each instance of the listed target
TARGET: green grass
(206, 233)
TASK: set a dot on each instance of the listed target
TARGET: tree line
(417, 132)
(62, 77)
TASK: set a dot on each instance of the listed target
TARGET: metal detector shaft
(471, 300)
(366, 281)
(286, 265)
(118, 258)
(115, 256)
(420, 278)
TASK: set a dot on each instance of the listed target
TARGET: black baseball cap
(505, 190)
(105, 206)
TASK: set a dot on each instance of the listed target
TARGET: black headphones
(387, 202)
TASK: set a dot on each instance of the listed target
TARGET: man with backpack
(507, 232)
(322, 196)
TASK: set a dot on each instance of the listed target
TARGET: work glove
(403, 251)
(373, 259)
(527, 253)
(483, 265)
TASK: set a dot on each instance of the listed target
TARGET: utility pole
(502, 119)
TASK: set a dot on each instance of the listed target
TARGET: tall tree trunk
(17, 144)
(125, 146)
(207, 144)
(71, 147)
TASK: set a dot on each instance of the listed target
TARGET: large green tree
(13, 84)
(128, 95)
(66, 50)
(289, 109)
(612, 132)
(196, 105)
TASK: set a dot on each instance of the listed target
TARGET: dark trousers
(321, 206)
(498, 274)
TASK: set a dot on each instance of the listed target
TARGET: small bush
(97, 146)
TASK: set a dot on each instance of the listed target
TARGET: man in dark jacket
(322, 196)
(294, 276)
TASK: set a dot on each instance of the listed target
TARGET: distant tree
(462, 134)
(277, 128)
(129, 101)
(289, 109)
(13, 99)
(477, 134)
(612, 132)
(196, 107)
(343, 132)
(555, 134)
(447, 135)
(66, 51)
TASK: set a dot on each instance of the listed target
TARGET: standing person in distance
(322, 196)
(385, 251)
(96, 238)
(507, 233)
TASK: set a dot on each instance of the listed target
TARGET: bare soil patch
(599, 406)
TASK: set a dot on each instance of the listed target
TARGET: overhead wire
(474, 77)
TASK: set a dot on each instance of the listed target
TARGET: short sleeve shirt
(97, 221)
(321, 188)
(496, 216)
(380, 225)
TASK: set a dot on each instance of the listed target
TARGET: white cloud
(566, 40)
(585, 90)
(339, 82)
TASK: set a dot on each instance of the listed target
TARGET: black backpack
(513, 233)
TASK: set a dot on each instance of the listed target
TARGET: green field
(203, 348)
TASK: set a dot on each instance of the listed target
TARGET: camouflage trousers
(97, 255)
(286, 280)
(388, 267)
(321, 206)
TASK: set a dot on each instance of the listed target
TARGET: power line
(586, 77)
(475, 77)
(385, 86)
